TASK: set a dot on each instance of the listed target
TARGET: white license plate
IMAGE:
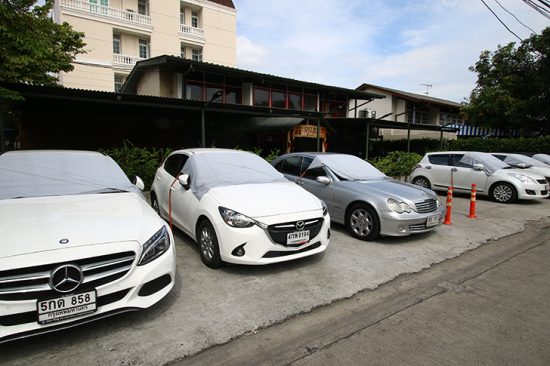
(65, 307)
(298, 237)
(432, 220)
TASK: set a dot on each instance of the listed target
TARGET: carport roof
(178, 64)
(391, 124)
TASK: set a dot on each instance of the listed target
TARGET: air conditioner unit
(367, 113)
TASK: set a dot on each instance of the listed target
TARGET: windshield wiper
(106, 190)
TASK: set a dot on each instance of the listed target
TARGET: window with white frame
(182, 15)
(119, 81)
(418, 116)
(195, 19)
(116, 44)
(197, 55)
(143, 48)
(449, 118)
(182, 51)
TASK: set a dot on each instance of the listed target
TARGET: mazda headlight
(155, 246)
(236, 219)
(325, 208)
(523, 178)
(397, 206)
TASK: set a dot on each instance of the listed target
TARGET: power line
(501, 22)
(515, 17)
(540, 9)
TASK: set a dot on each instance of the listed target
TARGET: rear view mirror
(184, 181)
(138, 183)
(323, 180)
(478, 166)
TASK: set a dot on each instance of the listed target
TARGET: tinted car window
(455, 158)
(311, 173)
(279, 165)
(501, 157)
(174, 163)
(441, 159)
(292, 165)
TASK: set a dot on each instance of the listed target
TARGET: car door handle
(454, 169)
(300, 182)
(159, 178)
(429, 167)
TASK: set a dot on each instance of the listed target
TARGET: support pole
(409, 129)
(367, 140)
(203, 128)
(2, 137)
(318, 134)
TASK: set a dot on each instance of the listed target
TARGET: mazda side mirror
(184, 181)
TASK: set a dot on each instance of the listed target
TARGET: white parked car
(493, 178)
(238, 208)
(526, 163)
(79, 242)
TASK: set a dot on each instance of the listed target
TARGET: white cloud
(398, 44)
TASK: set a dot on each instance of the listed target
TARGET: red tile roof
(228, 3)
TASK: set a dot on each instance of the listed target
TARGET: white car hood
(31, 225)
(265, 199)
(526, 172)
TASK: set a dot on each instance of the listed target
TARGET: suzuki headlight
(523, 178)
(236, 219)
(155, 246)
(397, 206)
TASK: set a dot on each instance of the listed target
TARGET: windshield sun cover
(220, 169)
(515, 159)
(54, 173)
(347, 166)
(490, 163)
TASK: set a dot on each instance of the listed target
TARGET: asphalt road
(212, 307)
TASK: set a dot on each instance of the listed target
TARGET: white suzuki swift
(239, 208)
(78, 242)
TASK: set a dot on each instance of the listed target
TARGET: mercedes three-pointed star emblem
(66, 278)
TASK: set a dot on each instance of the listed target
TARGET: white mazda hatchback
(239, 208)
(78, 242)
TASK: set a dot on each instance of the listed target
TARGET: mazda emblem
(66, 278)
(300, 225)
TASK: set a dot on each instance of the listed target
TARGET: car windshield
(220, 169)
(54, 173)
(516, 159)
(348, 167)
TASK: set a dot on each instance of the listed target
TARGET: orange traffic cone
(449, 206)
(472, 214)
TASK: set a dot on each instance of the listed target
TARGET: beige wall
(219, 44)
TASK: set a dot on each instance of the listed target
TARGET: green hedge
(511, 145)
(141, 161)
(397, 163)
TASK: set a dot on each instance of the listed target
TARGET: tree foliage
(33, 48)
(513, 84)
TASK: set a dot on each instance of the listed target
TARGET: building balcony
(193, 34)
(125, 61)
(106, 12)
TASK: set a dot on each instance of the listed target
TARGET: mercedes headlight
(523, 178)
(236, 219)
(397, 206)
(155, 246)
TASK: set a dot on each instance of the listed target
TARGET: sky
(399, 44)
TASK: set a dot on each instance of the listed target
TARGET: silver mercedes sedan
(361, 197)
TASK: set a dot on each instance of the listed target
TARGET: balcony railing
(125, 60)
(193, 32)
(118, 14)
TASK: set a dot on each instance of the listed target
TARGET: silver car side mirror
(478, 167)
(323, 180)
(184, 181)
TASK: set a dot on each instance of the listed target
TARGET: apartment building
(119, 33)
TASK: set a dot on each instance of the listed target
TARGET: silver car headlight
(523, 178)
(236, 219)
(153, 248)
(397, 206)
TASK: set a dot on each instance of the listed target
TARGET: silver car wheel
(207, 244)
(503, 193)
(421, 182)
(361, 222)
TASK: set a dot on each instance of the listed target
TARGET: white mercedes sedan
(78, 242)
(238, 208)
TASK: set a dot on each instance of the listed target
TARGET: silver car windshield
(348, 167)
(490, 163)
(54, 173)
(516, 159)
